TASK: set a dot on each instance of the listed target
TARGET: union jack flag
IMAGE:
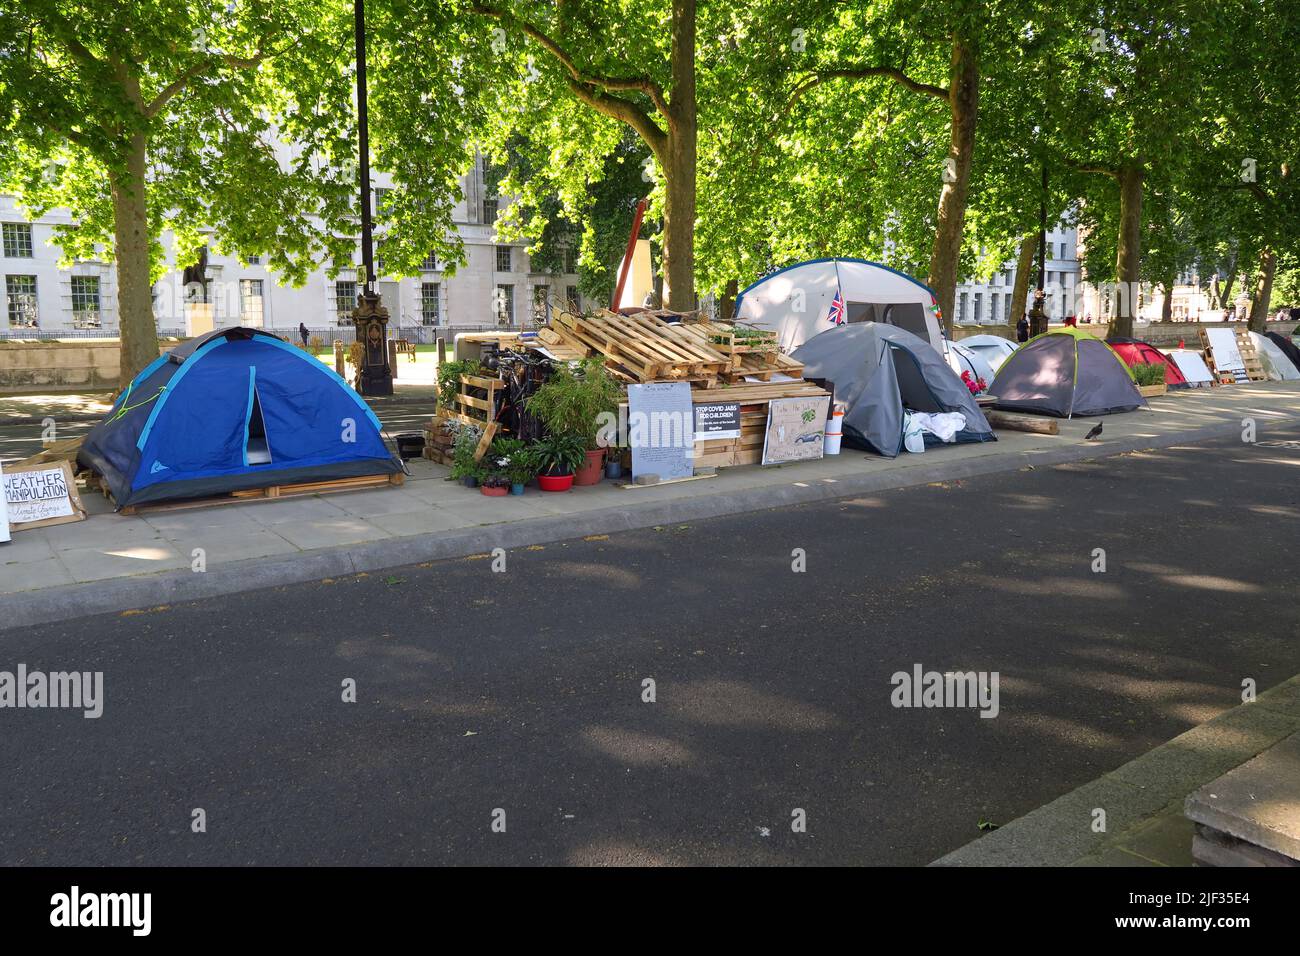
(836, 315)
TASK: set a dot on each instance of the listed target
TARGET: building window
(979, 303)
(490, 209)
(430, 302)
(254, 260)
(18, 240)
(430, 263)
(505, 259)
(540, 308)
(571, 260)
(22, 301)
(345, 300)
(996, 302)
(85, 302)
(381, 199)
(250, 302)
(573, 298)
(505, 305)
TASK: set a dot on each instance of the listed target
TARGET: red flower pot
(493, 492)
(592, 470)
(555, 482)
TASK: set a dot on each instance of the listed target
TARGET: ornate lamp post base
(375, 376)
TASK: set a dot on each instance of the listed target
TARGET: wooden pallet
(473, 410)
(1250, 355)
(1254, 370)
(65, 450)
(640, 348)
(358, 483)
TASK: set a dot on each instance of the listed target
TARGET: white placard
(4, 511)
(1223, 343)
(661, 424)
(40, 495)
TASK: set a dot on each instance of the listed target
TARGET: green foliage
(463, 464)
(570, 401)
(559, 453)
(1149, 373)
(449, 374)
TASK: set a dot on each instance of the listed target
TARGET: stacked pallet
(638, 348)
(1250, 355)
(468, 408)
(753, 400)
(754, 354)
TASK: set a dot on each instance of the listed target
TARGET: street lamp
(375, 376)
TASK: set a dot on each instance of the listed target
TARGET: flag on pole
(836, 314)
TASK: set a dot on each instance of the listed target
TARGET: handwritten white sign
(43, 494)
(4, 512)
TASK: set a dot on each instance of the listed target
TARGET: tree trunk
(963, 106)
(1225, 302)
(136, 325)
(1024, 271)
(679, 165)
(1167, 306)
(1128, 253)
(727, 307)
(1263, 291)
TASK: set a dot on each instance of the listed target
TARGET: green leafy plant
(571, 400)
(1149, 373)
(463, 463)
(559, 454)
(449, 374)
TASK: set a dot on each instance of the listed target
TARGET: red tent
(1137, 352)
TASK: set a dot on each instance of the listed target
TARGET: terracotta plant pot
(555, 482)
(494, 491)
(590, 471)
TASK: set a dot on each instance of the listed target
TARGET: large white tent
(796, 301)
(1274, 360)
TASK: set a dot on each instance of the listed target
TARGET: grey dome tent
(1066, 372)
(880, 370)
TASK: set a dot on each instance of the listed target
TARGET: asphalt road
(522, 691)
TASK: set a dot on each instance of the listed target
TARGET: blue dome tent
(232, 410)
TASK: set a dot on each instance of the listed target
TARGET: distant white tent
(1276, 364)
(963, 359)
(796, 301)
(1192, 366)
(994, 349)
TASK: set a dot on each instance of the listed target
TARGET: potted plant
(1150, 378)
(557, 457)
(571, 402)
(464, 464)
(515, 461)
(494, 483)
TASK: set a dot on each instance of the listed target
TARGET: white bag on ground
(913, 439)
(944, 425)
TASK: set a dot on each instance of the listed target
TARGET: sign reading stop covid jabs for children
(39, 495)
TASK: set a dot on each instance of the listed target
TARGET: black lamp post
(375, 377)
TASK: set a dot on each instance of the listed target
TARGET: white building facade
(989, 302)
(497, 287)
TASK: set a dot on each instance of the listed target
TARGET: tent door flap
(256, 449)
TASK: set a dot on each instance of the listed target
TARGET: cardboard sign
(4, 511)
(716, 420)
(660, 424)
(41, 495)
(796, 428)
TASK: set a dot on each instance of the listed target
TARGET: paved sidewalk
(1145, 823)
(113, 562)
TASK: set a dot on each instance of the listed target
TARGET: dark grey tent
(1066, 372)
(879, 370)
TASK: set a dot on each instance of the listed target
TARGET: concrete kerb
(1060, 833)
(69, 601)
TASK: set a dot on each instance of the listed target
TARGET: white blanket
(943, 425)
